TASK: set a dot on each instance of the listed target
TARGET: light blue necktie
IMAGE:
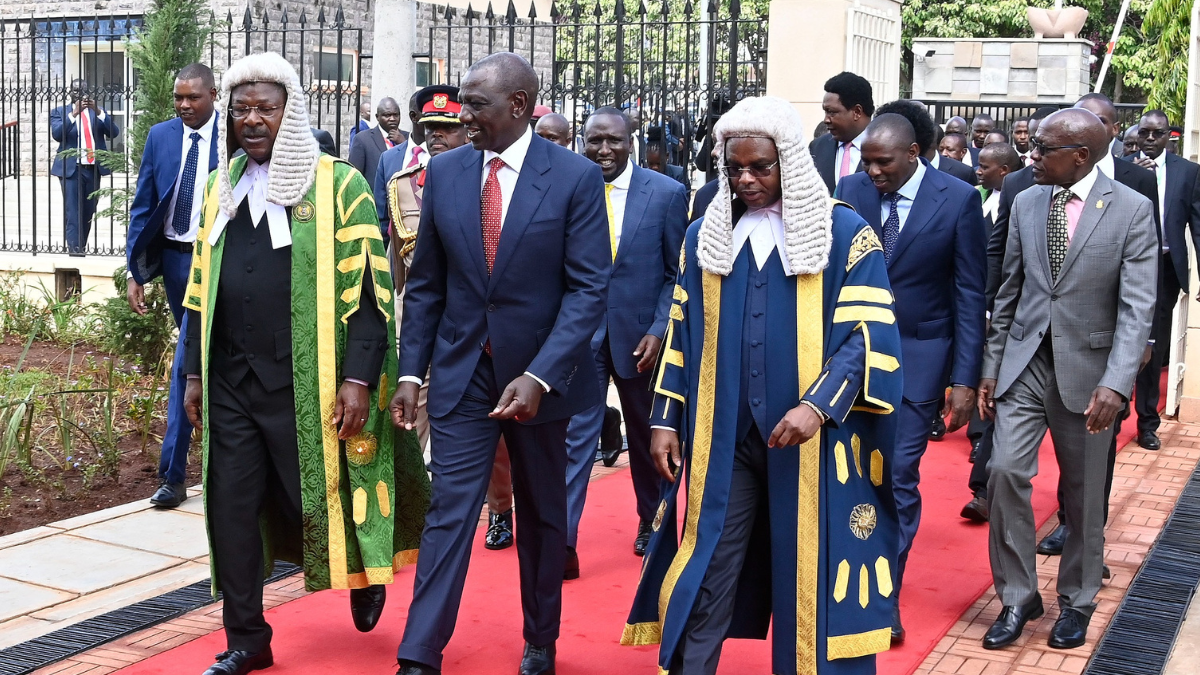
(181, 221)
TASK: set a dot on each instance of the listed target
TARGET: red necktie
(415, 157)
(491, 208)
(89, 141)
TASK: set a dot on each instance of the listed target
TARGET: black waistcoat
(252, 319)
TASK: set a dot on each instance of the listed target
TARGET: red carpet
(948, 570)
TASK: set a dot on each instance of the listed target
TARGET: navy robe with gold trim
(832, 542)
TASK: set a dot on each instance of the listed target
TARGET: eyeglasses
(241, 111)
(756, 170)
(1152, 133)
(1043, 149)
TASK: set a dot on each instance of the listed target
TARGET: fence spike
(511, 14)
(596, 12)
(619, 10)
(470, 12)
(642, 9)
(490, 14)
(266, 20)
(688, 8)
(339, 19)
(666, 11)
(212, 18)
(532, 11)
(229, 18)
(321, 16)
(554, 13)
(712, 7)
(303, 18)
(576, 10)
(284, 18)
(448, 14)
(247, 19)
(735, 9)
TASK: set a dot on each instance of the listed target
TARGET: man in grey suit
(1069, 327)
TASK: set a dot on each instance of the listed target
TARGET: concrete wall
(1047, 71)
(807, 46)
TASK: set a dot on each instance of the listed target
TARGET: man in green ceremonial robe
(290, 338)
(775, 396)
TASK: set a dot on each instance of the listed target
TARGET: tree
(173, 35)
(1168, 28)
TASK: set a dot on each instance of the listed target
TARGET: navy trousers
(583, 437)
(79, 206)
(462, 450)
(912, 437)
(172, 463)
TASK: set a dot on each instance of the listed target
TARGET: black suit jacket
(704, 197)
(325, 141)
(1181, 210)
(680, 175)
(974, 155)
(958, 170)
(365, 151)
(824, 153)
(1126, 173)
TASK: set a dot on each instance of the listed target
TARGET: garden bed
(92, 435)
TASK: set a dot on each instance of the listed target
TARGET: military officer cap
(439, 104)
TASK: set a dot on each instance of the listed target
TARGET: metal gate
(671, 63)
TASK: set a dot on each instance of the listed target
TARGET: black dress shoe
(976, 510)
(610, 437)
(414, 668)
(937, 430)
(1070, 630)
(1149, 440)
(538, 660)
(366, 606)
(1007, 628)
(897, 627)
(643, 538)
(499, 533)
(571, 569)
(169, 495)
(1106, 573)
(1053, 543)
(240, 663)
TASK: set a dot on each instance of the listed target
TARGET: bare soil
(45, 492)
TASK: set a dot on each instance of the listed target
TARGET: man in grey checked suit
(1069, 327)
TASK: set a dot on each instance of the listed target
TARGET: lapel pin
(1100, 203)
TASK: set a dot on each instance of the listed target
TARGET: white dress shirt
(1106, 165)
(991, 207)
(936, 162)
(619, 196)
(855, 155)
(252, 186)
(514, 158)
(1160, 175)
(202, 145)
(908, 193)
(763, 229)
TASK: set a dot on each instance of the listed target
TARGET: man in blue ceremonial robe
(776, 394)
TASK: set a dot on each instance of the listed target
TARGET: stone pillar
(392, 72)
(810, 41)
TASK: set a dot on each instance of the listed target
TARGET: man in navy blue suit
(647, 217)
(163, 221)
(508, 285)
(935, 243)
(83, 126)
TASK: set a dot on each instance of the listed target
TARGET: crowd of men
(374, 348)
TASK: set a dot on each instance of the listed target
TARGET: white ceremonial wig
(295, 153)
(807, 210)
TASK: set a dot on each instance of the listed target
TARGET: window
(332, 68)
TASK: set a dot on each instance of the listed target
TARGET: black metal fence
(670, 62)
(1006, 114)
(41, 57)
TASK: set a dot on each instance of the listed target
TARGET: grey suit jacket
(1101, 307)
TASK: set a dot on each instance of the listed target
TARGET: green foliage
(173, 35)
(1168, 30)
(126, 333)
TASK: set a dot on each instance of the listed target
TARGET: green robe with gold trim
(363, 500)
(820, 568)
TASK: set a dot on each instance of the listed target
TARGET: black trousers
(253, 465)
(705, 630)
(1146, 386)
(462, 451)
